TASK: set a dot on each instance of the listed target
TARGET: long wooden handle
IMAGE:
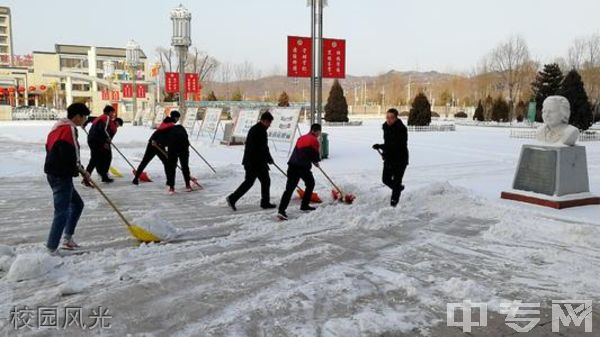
(283, 172)
(165, 154)
(199, 155)
(112, 205)
(331, 181)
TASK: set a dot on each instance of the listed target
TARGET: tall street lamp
(316, 81)
(181, 41)
(109, 69)
(132, 56)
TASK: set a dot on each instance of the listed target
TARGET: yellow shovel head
(115, 172)
(142, 235)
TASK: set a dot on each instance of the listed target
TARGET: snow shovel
(314, 198)
(115, 172)
(138, 232)
(194, 180)
(337, 193)
(199, 155)
(143, 177)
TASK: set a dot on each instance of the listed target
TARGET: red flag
(171, 82)
(127, 90)
(192, 82)
(334, 58)
(141, 90)
(299, 56)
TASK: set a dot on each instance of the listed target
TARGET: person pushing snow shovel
(156, 141)
(178, 149)
(61, 165)
(394, 152)
(99, 143)
(306, 153)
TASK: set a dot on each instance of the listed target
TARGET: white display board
(159, 115)
(245, 120)
(190, 119)
(285, 121)
(210, 122)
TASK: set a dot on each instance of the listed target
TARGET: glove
(376, 146)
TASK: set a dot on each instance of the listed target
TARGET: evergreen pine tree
(547, 83)
(521, 111)
(237, 96)
(581, 111)
(212, 97)
(284, 100)
(420, 112)
(500, 110)
(478, 116)
(488, 104)
(336, 109)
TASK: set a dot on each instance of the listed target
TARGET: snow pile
(6, 257)
(31, 266)
(158, 226)
(71, 287)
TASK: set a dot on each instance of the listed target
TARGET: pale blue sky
(421, 35)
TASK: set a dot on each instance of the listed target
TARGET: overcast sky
(381, 35)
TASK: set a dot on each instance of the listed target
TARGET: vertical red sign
(334, 58)
(299, 56)
(192, 82)
(141, 90)
(105, 94)
(171, 82)
(127, 90)
(115, 95)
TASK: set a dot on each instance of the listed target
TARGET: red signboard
(334, 58)
(105, 94)
(141, 90)
(192, 83)
(115, 95)
(127, 90)
(171, 82)
(299, 56)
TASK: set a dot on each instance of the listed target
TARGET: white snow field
(364, 269)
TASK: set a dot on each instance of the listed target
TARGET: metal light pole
(109, 70)
(316, 81)
(181, 41)
(132, 55)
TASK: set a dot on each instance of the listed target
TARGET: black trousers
(149, 154)
(183, 157)
(393, 173)
(100, 159)
(253, 173)
(294, 174)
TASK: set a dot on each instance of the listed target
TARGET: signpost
(299, 56)
(211, 121)
(245, 120)
(284, 125)
(190, 119)
(531, 112)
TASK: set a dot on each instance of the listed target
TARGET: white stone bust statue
(556, 129)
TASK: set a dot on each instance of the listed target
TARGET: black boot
(231, 203)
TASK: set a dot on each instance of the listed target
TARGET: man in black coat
(99, 143)
(256, 161)
(394, 151)
(178, 150)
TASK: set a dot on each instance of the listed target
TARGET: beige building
(6, 40)
(76, 73)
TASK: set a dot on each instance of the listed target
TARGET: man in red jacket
(62, 164)
(306, 153)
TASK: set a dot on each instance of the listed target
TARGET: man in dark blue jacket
(306, 153)
(61, 165)
(157, 142)
(256, 161)
(394, 153)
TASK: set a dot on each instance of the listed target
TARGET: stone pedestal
(552, 176)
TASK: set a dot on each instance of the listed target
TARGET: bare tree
(584, 56)
(199, 62)
(166, 57)
(510, 59)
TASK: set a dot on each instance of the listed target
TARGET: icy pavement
(344, 270)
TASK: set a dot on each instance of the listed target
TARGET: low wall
(5, 113)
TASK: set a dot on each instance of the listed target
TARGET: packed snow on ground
(344, 270)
